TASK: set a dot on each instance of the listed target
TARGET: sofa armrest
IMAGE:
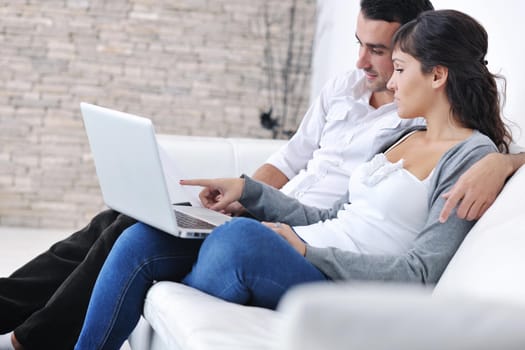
(386, 317)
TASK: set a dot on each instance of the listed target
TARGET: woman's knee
(238, 239)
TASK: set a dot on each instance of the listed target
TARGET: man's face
(375, 55)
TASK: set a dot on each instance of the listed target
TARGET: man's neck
(381, 98)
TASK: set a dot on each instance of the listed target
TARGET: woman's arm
(268, 204)
(432, 249)
(260, 200)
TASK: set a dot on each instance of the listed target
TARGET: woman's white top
(389, 206)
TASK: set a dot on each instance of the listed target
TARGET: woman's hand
(217, 193)
(287, 233)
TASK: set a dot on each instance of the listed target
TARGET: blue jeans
(241, 261)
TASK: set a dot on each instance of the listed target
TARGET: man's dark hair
(400, 11)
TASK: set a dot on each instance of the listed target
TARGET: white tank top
(389, 207)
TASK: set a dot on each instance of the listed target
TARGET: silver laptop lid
(122, 165)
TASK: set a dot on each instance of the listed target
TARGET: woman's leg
(139, 257)
(247, 263)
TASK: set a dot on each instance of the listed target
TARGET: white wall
(336, 48)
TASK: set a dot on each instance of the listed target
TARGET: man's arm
(478, 187)
(270, 175)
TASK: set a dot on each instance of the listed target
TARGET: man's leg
(58, 323)
(30, 287)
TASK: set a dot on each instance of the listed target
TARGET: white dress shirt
(340, 131)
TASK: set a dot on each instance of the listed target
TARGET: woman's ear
(440, 74)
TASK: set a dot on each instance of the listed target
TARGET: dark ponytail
(457, 41)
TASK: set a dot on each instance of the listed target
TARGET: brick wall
(196, 67)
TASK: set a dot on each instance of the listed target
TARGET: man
(46, 299)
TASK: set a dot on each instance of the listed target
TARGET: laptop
(131, 175)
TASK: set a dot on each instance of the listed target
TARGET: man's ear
(440, 75)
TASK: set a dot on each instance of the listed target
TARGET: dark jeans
(45, 300)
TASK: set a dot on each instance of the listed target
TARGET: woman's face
(413, 92)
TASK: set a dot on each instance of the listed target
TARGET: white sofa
(479, 303)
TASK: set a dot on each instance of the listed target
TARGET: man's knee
(134, 235)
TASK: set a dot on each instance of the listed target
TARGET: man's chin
(375, 86)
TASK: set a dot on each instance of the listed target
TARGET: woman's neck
(442, 125)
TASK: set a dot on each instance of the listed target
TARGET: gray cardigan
(431, 250)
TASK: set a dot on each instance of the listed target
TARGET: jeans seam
(250, 278)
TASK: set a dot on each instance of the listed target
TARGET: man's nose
(363, 60)
(391, 84)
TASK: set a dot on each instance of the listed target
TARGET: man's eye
(399, 70)
(377, 52)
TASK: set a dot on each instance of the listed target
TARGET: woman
(391, 229)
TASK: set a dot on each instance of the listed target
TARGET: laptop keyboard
(187, 221)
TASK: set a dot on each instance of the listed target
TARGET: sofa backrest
(210, 157)
(490, 262)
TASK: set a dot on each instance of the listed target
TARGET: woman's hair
(458, 42)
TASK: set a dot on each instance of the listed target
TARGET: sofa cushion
(207, 322)
(489, 263)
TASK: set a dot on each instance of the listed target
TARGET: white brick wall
(195, 67)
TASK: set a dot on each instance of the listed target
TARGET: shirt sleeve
(295, 154)
(268, 204)
(433, 247)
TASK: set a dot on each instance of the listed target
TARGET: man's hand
(217, 193)
(287, 233)
(478, 187)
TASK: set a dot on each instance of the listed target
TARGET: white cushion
(218, 157)
(387, 317)
(490, 262)
(186, 318)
